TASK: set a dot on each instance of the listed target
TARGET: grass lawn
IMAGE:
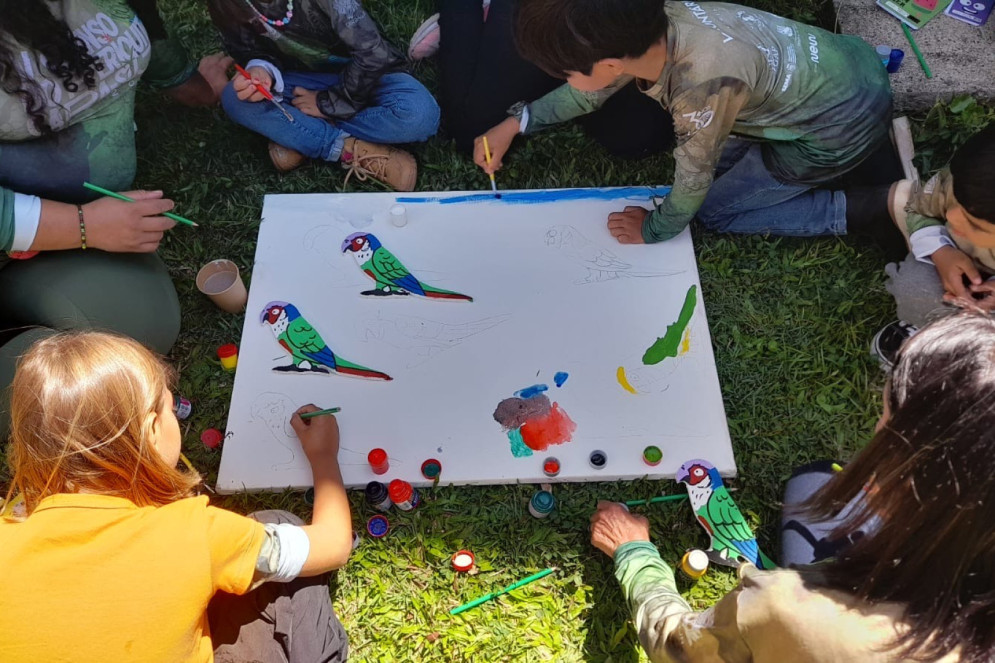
(790, 321)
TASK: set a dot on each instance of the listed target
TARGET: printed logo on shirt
(773, 57)
(785, 30)
(122, 53)
(700, 118)
(813, 48)
(790, 64)
(699, 13)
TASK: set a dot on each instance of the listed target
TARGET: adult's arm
(370, 57)
(703, 119)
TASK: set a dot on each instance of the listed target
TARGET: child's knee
(417, 111)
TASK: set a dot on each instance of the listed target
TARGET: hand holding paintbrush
(255, 85)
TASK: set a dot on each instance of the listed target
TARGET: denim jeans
(401, 111)
(746, 199)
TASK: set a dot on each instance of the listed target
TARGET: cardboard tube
(220, 281)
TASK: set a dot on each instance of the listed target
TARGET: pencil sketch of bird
(274, 410)
(732, 539)
(423, 338)
(601, 264)
(305, 345)
(391, 277)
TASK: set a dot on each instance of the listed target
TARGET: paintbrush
(331, 410)
(118, 196)
(655, 500)
(487, 155)
(493, 595)
(263, 91)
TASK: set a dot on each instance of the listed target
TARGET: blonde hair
(80, 419)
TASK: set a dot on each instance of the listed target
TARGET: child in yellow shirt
(116, 560)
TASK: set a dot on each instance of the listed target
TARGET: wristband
(82, 227)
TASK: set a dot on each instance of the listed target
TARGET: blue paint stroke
(638, 193)
(560, 378)
(534, 390)
(518, 447)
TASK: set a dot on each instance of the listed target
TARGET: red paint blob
(378, 461)
(555, 427)
(551, 467)
(211, 438)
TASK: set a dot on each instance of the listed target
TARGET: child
(950, 226)
(916, 586)
(117, 560)
(766, 111)
(328, 67)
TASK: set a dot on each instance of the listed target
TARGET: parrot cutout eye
(697, 474)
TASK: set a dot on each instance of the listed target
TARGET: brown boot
(395, 168)
(284, 158)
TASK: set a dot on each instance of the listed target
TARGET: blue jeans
(401, 111)
(746, 199)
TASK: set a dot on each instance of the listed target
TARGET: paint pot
(398, 216)
(431, 469)
(378, 461)
(377, 497)
(652, 455)
(309, 496)
(403, 494)
(542, 504)
(228, 354)
(598, 459)
(551, 467)
(895, 60)
(463, 561)
(884, 53)
(181, 407)
(378, 526)
(212, 438)
(694, 564)
(220, 281)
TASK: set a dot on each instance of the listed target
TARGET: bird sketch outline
(274, 410)
(423, 338)
(601, 264)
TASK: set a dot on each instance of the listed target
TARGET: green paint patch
(668, 344)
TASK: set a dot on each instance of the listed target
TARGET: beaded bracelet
(82, 227)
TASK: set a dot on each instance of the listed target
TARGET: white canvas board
(552, 292)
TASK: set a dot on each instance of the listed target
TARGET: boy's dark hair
(973, 170)
(925, 495)
(562, 36)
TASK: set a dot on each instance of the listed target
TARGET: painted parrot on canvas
(305, 345)
(732, 539)
(391, 277)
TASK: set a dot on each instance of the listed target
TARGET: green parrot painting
(391, 277)
(732, 540)
(309, 351)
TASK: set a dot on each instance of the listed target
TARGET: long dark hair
(927, 477)
(30, 24)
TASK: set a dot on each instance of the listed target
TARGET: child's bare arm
(330, 531)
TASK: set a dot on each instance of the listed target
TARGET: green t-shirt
(94, 129)
(819, 101)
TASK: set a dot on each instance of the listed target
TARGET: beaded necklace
(285, 21)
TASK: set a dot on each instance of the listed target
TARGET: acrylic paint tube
(542, 504)
(181, 407)
(377, 496)
(403, 494)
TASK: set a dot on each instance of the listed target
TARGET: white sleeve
(272, 71)
(524, 122)
(927, 241)
(284, 551)
(27, 216)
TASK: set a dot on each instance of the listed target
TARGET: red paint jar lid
(378, 526)
(377, 457)
(211, 438)
(228, 350)
(400, 491)
(431, 469)
(463, 561)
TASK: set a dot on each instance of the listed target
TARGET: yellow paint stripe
(686, 343)
(622, 380)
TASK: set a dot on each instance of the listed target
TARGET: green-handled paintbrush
(113, 194)
(493, 595)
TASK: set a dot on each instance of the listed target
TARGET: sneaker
(897, 200)
(425, 42)
(284, 158)
(384, 163)
(888, 342)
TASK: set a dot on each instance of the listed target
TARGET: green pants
(130, 294)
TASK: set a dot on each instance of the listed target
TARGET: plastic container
(228, 354)
(431, 469)
(652, 455)
(551, 467)
(212, 438)
(378, 526)
(542, 504)
(378, 461)
(403, 494)
(463, 561)
(895, 60)
(884, 53)
(598, 459)
(181, 407)
(377, 496)
(694, 564)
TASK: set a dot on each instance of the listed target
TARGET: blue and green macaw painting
(732, 540)
(308, 350)
(391, 277)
